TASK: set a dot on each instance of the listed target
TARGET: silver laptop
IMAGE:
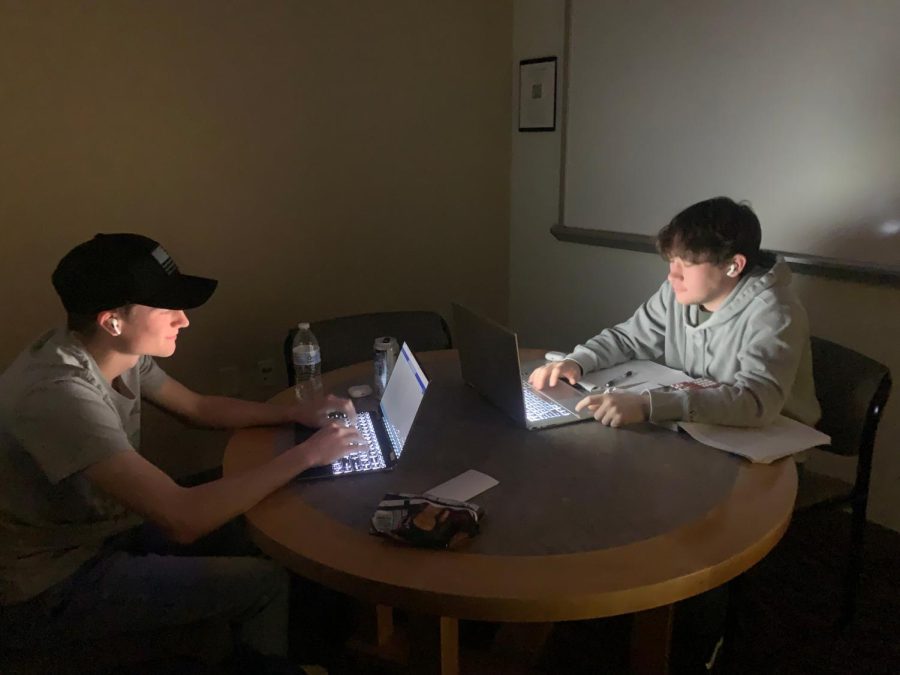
(489, 361)
(386, 430)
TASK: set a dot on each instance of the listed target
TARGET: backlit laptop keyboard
(366, 459)
(538, 408)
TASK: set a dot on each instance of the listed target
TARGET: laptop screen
(402, 396)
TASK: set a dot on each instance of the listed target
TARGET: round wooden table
(587, 521)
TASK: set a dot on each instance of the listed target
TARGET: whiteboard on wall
(791, 105)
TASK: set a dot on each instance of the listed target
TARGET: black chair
(852, 390)
(349, 339)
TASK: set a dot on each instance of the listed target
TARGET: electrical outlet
(230, 380)
(265, 371)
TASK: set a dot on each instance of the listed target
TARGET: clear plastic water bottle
(386, 352)
(307, 364)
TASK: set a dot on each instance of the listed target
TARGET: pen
(613, 382)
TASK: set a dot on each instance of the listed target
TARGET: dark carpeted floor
(790, 603)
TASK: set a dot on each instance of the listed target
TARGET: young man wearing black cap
(75, 561)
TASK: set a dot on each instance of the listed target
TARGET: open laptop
(385, 430)
(489, 360)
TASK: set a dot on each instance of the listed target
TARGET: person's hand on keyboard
(550, 374)
(314, 413)
(617, 408)
(331, 442)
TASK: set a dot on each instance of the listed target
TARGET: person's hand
(332, 441)
(616, 409)
(552, 373)
(314, 412)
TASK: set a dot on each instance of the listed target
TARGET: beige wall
(562, 293)
(318, 158)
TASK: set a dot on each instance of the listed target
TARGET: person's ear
(110, 323)
(736, 266)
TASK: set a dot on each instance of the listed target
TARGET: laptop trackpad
(564, 394)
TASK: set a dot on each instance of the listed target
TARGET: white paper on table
(465, 486)
(762, 445)
(645, 375)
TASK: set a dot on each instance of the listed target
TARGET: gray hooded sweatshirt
(756, 345)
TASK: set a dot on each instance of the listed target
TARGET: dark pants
(143, 582)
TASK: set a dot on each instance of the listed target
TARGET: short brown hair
(712, 231)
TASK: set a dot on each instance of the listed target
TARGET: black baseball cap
(112, 270)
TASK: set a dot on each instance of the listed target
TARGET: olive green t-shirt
(58, 416)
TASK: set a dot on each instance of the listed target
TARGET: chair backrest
(852, 390)
(348, 339)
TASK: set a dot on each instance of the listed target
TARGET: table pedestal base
(427, 638)
(651, 640)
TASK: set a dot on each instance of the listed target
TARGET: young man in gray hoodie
(726, 312)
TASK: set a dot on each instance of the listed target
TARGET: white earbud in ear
(732, 270)
(114, 327)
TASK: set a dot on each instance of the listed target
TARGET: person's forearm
(199, 510)
(726, 404)
(220, 412)
(642, 336)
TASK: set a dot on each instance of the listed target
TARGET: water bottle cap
(303, 325)
(383, 343)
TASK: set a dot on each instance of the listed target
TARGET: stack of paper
(762, 445)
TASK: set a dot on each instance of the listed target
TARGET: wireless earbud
(732, 270)
(114, 327)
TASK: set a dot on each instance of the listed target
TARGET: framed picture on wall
(537, 94)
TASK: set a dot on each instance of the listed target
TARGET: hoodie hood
(747, 290)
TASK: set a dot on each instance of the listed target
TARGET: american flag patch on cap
(164, 259)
